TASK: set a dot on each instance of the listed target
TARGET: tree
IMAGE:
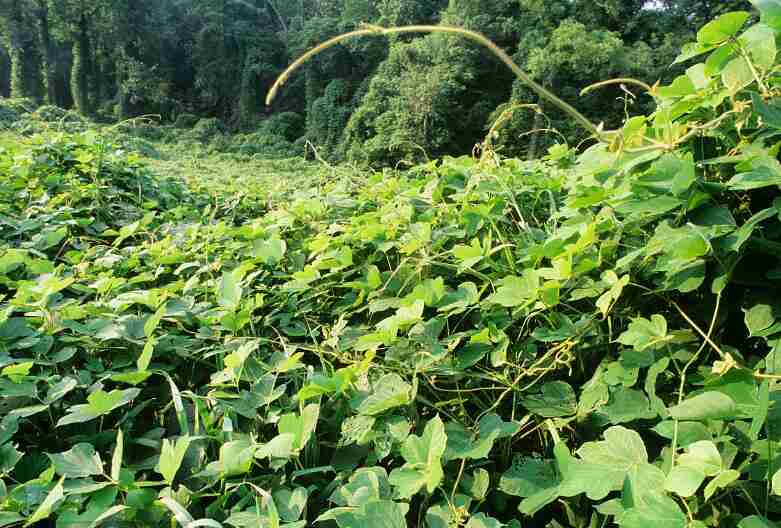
(19, 27)
(49, 61)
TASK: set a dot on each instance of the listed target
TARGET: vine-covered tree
(19, 28)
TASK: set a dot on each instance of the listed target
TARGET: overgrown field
(587, 340)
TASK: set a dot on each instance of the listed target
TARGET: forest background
(367, 100)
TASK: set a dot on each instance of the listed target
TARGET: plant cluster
(586, 340)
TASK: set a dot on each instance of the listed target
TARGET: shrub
(287, 125)
(186, 121)
(207, 129)
(11, 110)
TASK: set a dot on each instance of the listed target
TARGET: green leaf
(723, 28)
(389, 392)
(680, 87)
(17, 371)
(684, 480)
(703, 456)
(556, 399)
(605, 465)
(657, 205)
(758, 178)
(301, 427)
(171, 457)
(382, 514)
(755, 521)
(735, 241)
(657, 511)
(480, 520)
(49, 504)
(8, 518)
(688, 432)
(737, 74)
(776, 482)
(722, 480)
(99, 403)
(760, 42)
(107, 514)
(759, 317)
(60, 389)
(423, 456)
(235, 457)
(9, 457)
(182, 516)
(476, 484)
(142, 363)
(528, 477)
(468, 255)
(706, 406)
(626, 405)
(291, 504)
(229, 292)
(462, 444)
(517, 291)
(771, 114)
(405, 317)
(642, 333)
(691, 50)
(269, 251)
(79, 461)
(770, 11)
(457, 302)
(9, 425)
(116, 458)
(153, 322)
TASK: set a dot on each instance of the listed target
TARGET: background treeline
(368, 100)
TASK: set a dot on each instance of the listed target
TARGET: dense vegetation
(192, 334)
(375, 101)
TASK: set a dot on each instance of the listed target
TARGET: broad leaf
(423, 456)
(99, 403)
(706, 406)
(79, 461)
(171, 457)
(724, 27)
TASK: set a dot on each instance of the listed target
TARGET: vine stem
(690, 363)
(706, 337)
(621, 80)
(458, 481)
(371, 30)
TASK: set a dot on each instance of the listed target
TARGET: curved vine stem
(370, 30)
(621, 80)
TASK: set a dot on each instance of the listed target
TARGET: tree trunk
(50, 65)
(5, 73)
(26, 78)
(82, 68)
(123, 98)
(97, 86)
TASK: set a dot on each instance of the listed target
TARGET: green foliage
(11, 110)
(185, 120)
(207, 129)
(583, 340)
(409, 104)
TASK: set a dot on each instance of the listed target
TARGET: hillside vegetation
(208, 338)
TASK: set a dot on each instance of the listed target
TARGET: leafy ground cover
(587, 340)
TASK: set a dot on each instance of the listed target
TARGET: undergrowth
(586, 340)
